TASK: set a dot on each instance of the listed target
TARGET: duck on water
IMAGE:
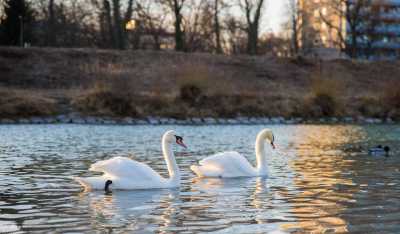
(379, 150)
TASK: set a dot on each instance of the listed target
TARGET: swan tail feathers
(197, 170)
(91, 183)
(206, 171)
(98, 167)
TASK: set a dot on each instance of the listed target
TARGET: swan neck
(172, 166)
(260, 155)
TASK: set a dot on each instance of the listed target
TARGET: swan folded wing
(229, 164)
(125, 167)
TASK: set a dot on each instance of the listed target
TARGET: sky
(274, 16)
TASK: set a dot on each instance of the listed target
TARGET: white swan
(233, 164)
(127, 174)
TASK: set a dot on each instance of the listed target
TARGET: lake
(321, 180)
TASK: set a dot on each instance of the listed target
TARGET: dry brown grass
(142, 83)
(25, 104)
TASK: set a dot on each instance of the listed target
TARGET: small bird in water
(379, 151)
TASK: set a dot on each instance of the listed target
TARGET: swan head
(267, 135)
(171, 137)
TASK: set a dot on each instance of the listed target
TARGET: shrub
(323, 100)
(190, 93)
(104, 99)
(370, 106)
(326, 103)
(196, 81)
(391, 99)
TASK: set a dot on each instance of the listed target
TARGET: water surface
(321, 181)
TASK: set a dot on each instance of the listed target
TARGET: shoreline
(91, 120)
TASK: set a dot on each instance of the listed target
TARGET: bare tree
(112, 21)
(294, 25)
(152, 22)
(356, 16)
(253, 12)
(236, 34)
(51, 36)
(218, 6)
(176, 7)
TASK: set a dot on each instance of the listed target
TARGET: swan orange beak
(273, 145)
(180, 142)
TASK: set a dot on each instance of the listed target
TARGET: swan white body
(233, 164)
(127, 174)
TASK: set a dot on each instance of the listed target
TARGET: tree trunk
(252, 39)
(51, 34)
(253, 24)
(217, 27)
(118, 25)
(111, 41)
(179, 41)
(295, 34)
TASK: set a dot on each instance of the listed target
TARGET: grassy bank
(45, 82)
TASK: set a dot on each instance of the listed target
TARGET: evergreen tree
(18, 17)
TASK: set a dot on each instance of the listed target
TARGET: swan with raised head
(232, 164)
(127, 174)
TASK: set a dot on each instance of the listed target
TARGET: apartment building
(365, 29)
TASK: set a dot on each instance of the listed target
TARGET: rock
(91, 120)
(348, 119)
(164, 121)
(181, 122)
(333, 120)
(298, 120)
(7, 121)
(63, 119)
(109, 121)
(232, 121)
(389, 120)
(259, 120)
(277, 120)
(210, 121)
(267, 120)
(153, 121)
(78, 120)
(197, 121)
(367, 121)
(24, 121)
(141, 122)
(253, 120)
(243, 120)
(290, 121)
(361, 119)
(37, 120)
(171, 121)
(222, 121)
(127, 120)
(50, 120)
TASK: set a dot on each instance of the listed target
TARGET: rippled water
(321, 181)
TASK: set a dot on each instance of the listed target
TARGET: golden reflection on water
(323, 189)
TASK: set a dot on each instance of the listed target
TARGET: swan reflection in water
(240, 195)
(131, 210)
